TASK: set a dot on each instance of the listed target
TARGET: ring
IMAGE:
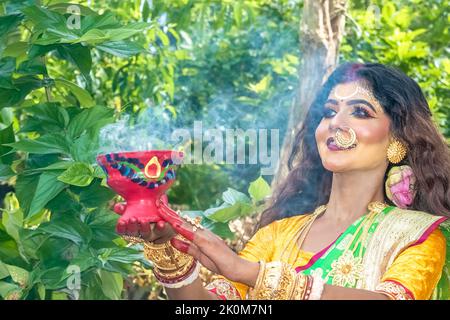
(195, 223)
(132, 240)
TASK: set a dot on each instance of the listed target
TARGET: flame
(153, 162)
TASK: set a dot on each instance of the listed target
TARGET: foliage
(57, 238)
(232, 64)
(412, 35)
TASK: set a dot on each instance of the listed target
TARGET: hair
(308, 183)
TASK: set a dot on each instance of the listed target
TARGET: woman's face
(352, 105)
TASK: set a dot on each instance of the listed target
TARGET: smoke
(266, 69)
(149, 130)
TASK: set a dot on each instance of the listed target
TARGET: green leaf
(123, 255)
(46, 144)
(219, 228)
(60, 165)
(42, 16)
(85, 149)
(58, 295)
(259, 189)
(41, 291)
(7, 67)
(6, 172)
(232, 196)
(78, 174)
(68, 227)
(46, 118)
(81, 94)
(64, 203)
(19, 275)
(85, 259)
(9, 23)
(111, 284)
(6, 289)
(54, 278)
(96, 195)
(25, 190)
(6, 136)
(93, 37)
(3, 270)
(12, 221)
(78, 55)
(123, 49)
(87, 119)
(47, 188)
(227, 212)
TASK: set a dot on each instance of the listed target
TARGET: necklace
(304, 229)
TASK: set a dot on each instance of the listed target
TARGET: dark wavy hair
(308, 183)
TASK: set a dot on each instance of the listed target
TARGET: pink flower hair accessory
(400, 186)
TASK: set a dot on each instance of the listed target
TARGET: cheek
(321, 132)
(376, 133)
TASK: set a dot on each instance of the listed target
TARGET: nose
(339, 120)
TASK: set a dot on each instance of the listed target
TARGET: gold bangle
(174, 274)
(275, 282)
(253, 292)
(165, 257)
(301, 282)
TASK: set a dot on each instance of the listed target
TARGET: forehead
(353, 90)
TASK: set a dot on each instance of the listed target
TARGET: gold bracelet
(253, 292)
(166, 257)
(301, 283)
(275, 282)
(279, 281)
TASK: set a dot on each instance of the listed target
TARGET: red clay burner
(142, 178)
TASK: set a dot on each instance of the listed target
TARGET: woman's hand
(159, 232)
(212, 252)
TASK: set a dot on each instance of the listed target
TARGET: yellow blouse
(418, 268)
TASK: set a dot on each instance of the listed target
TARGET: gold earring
(396, 151)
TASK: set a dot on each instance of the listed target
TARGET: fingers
(119, 208)
(145, 228)
(158, 232)
(133, 228)
(165, 199)
(169, 215)
(184, 247)
(184, 229)
(193, 250)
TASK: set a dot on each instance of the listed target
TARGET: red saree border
(427, 232)
(407, 291)
(316, 257)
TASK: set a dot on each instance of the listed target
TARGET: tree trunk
(321, 31)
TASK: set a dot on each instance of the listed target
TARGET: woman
(361, 214)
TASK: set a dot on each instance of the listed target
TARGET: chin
(336, 167)
(338, 164)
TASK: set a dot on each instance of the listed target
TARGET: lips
(333, 147)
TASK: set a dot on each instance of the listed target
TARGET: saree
(403, 253)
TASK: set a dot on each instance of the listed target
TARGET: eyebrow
(352, 102)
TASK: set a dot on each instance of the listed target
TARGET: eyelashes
(359, 112)
(328, 113)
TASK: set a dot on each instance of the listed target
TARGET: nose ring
(342, 141)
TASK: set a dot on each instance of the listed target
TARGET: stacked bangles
(172, 268)
(279, 281)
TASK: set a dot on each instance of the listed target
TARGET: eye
(328, 112)
(361, 112)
